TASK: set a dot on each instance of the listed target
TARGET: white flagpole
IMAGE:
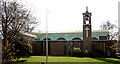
(0, 41)
(119, 21)
(46, 36)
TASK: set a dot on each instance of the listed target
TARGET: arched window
(94, 38)
(61, 38)
(76, 38)
(47, 39)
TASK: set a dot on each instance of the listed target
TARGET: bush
(22, 45)
(8, 52)
(95, 53)
(77, 52)
(92, 53)
(15, 48)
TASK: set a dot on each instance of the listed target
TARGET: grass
(68, 60)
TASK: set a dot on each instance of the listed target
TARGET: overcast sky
(66, 15)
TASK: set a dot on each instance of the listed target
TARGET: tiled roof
(69, 35)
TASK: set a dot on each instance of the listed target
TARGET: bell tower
(87, 33)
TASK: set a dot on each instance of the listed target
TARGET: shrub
(15, 48)
(8, 52)
(95, 53)
(77, 52)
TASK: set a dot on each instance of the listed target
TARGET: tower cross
(86, 8)
(86, 31)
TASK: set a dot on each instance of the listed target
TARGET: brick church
(63, 43)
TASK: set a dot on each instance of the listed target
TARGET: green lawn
(68, 60)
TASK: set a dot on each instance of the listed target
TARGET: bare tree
(113, 35)
(111, 27)
(14, 20)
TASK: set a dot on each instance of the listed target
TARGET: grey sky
(66, 15)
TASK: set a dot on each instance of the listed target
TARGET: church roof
(69, 35)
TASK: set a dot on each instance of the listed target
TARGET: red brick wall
(33, 49)
(57, 48)
(76, 44)
(36, 48)
(100, 45)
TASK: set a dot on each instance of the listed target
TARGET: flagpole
(46, 36)
(118, 27)
(0, 41)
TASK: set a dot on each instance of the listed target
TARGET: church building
(63, 43)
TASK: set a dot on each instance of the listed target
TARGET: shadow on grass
(21, 61)
(63, 63)
(108, 60)
(18, 62)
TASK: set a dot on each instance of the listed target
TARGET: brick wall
(36, 48)
(57, 48)
(104, 47)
